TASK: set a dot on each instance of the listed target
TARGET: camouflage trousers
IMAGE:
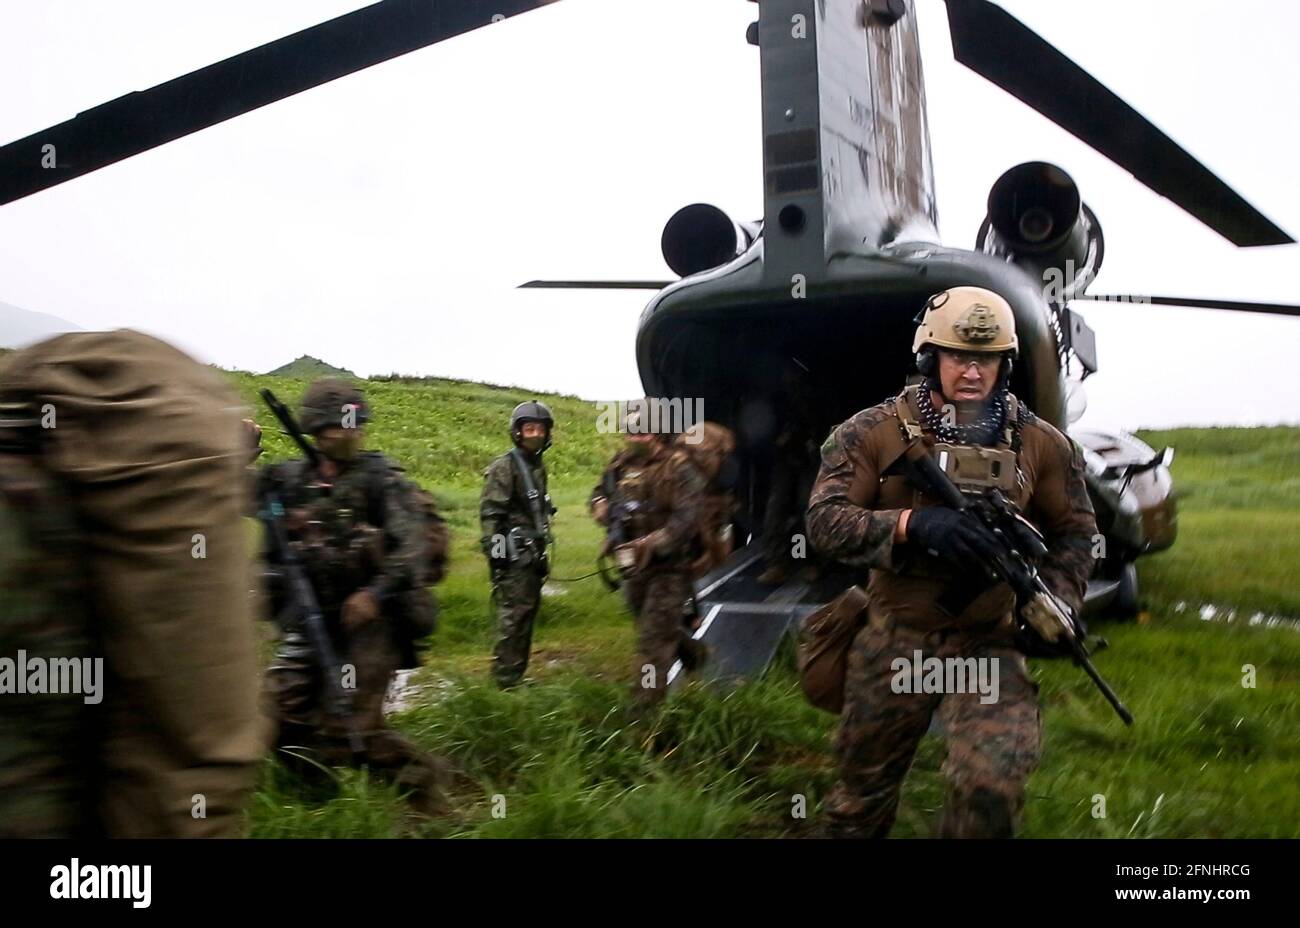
(308, 734)
(657, 598)
(993, 747)
(517, 593)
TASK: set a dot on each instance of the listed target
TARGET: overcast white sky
(381, 222)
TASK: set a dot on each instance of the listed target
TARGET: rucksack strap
(530, 490)
(908, 409)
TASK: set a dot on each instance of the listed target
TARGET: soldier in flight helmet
(531, 411)
(515, 516)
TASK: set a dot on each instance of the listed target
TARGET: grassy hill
(1207, 757)
(309, 367)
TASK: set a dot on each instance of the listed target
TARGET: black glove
(951, 536)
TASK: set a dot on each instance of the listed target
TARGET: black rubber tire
(1125, 605)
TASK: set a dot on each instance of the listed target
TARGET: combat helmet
(531, 411)
(328, 401)
(965, 319)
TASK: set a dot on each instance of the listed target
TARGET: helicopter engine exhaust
(700, 236)
(1037, 218)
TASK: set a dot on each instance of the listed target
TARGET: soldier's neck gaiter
(984, 429)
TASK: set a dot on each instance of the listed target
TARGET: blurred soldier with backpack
(123, 573)
(351, 548)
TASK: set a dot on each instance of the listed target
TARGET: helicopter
(844, 257)
(846, 254)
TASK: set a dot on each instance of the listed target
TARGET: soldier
(649, 499)
(351, 524)
(712, 452)
(514, 514)
(924, 599)
(122, 574)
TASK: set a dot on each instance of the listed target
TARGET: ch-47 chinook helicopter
(834, 274)
(843, 259)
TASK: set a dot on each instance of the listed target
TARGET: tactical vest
(336, 528)
(970, 467)
(910, 593)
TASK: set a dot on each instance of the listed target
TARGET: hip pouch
(824, 639)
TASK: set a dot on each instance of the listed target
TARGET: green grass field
(557, 757)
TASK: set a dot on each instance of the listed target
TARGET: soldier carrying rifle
(348, 551)
(935, 589)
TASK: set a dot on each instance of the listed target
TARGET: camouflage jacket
(504, 503)
(662, 494)
(357, 533)
(860, 493)
(44, 615)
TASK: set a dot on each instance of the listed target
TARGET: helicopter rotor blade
(594, 285)
(997, 46)
(145, 119)
(1273, 309)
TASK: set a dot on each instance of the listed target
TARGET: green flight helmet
(531, 411)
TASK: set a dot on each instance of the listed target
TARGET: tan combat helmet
(968, 319)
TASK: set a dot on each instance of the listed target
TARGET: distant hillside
(22, 327)
(445, 432)
(307, 366)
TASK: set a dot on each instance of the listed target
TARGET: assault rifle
(1012, 560)
(618, 519)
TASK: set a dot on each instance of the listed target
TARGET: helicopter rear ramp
(744, 622)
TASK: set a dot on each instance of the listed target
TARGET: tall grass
(560, 756)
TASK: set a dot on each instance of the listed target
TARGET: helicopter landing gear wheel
(1125, 605)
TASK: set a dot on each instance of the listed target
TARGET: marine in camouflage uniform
(712, 451)
(863, 513)
(44, 779)
(362, 547)
(515, 532)
(650, 500)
